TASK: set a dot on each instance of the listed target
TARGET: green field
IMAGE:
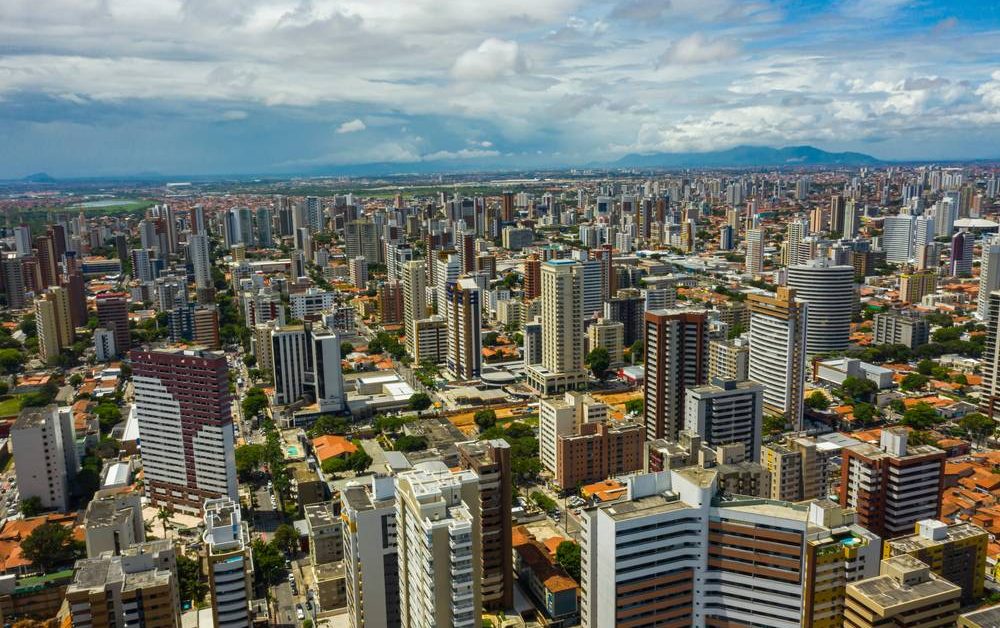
(11, 406)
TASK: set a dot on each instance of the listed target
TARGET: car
(291, 577)
(300, 613)
(288, 564)
(309, 606)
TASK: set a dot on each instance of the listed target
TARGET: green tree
(542, 500)
(31, 506)
(947, 334)
(420, 401)
(328, 424)
(286, 538)
(913, 381)
(11, 360)
(921, 416)
(774, 424)
(817, 401)
(485, 419)
(268, 562)
(50, 545)
(864, 412)
(635, 406)
(568, 557)
(978, 426)
(346, 348)
(599, 360)
(254, 402)
(108, 415)
(491, 339)
(410, 443)
(189, 576)
(857, 388)
(250, 360)
(163, 516)
(636, 350)
(248, 460)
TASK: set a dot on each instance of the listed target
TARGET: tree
(543, 501)
(248, 460)
(978, 426)
(634, 406)
(636, 350)
(774, 424)
(410, 443)
(189, 577)
(599, 360)
(108, 415)
(491, 339)
(947, 334)
(268, 562)
(568, 557)
(254, 402)
(857, 388)
(286, 538)
(31, 506)
(864, 412)
(346, 348)
(328, 424)
(75, 380)
(250, 360)
(921, 416)
(817, 401)
(420, 401)
(485, 419)
(163, 516)
(11, 360)
(913, 381)
(50, 545)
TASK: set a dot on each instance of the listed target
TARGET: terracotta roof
(535, 557)
(331, 446)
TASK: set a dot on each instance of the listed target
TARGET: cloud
(232, 115)
(872, 9)
(642, 11)
(492, 59)
(351, 126)
(464, 153)
(696, 48)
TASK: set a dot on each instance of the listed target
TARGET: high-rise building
(838, 210)
(675, 550)
(358, 267)
(801, 467)
(990, 395)
(305, 362)
(54, 322)
(906, 593)
(414, 276)
(895, 328)
(725, 413)
(754, 252)
(463, 314)
(897, 238)
(370, 552)
(610, 336)
(916, 285)
(490, 461)
(676, 358)
(390, 303)
(532, 350)
(532, 277)
(956, 552)
(137, 586)
(562, 330)
(960, 258)
(440, 545)
(228, 563)
(892, 486)
(201, 260)
(183, 406)
(430, 340)
(628, 308)
(112, 313)
(828, 289)
(45, 459)
(850, 220)
(989, 275)
(778, 352)
(728, 359)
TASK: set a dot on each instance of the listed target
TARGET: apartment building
(892, 486)
(370, 553)
(801, 467)
(597, 451)
(676, 358)
(228, 563)
(956, 552)
(893, 328)
(45, 459)
(906, 593)
(729, 359)
(727, 412)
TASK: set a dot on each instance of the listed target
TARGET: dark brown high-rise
(490, 460)
(532, 277)
(507, 207)
(676, 358)
(112, 313)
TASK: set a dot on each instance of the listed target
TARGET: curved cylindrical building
(829, 291)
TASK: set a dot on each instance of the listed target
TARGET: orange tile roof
(606, 490)
(535, 556)
(331, 446)
(552, 544)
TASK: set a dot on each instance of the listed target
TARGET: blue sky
(97, 87)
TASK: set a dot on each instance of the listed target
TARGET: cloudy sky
(93, 87)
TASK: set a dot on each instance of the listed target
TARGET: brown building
(598, 451)
(390, 303)
(532, 277)
(112, 313)
(905, 594)
(490, 460)
(507, 207)
(141, 582)
(892, 486)
(487, 263)
(676, 358)
(206, 326)
(38, 597)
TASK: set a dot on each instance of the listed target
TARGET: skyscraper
(989, 276)
(897, 238)
(562, 330)
(228, 563)
(112, 313)
(440, 544)
(198, 248)
(463, 316)
(829, 291)
(725, 413)
(676, 358)
(45, 459)
(414, 275)
(778, 352)
(183, 406)
(532, 277)
(754, 251)
(960, 259)
(370, 552)
(54, 322)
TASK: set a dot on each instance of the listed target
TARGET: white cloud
(493, 59)
(696, 48)
(464, 153)
(232, 115)
(352, 126)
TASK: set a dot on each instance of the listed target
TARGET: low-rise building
(955, 552)
(326, 540)
(906, 593)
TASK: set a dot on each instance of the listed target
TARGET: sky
(110, 87)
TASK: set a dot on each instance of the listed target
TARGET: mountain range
(747, 157)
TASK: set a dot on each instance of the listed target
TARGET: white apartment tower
(828, 289)
(778, 352)
(372, 580)
(44, 455)
(228, 563)
(562, 330)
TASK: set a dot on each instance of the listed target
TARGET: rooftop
(952, 533)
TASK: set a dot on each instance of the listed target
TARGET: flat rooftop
(917, 541)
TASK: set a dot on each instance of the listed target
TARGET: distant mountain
(746, 157)
(39, 177)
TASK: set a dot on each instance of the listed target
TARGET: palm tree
(164, 516)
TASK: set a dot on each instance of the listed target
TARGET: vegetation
(817, 401)
(857, 388)
(328, 424)
(249, 458)
(410, 443)
(599, 360)
(774, 424)
(192, 586)
(485, 419)
(268, 562)
(568, 557)
(51, 545)
(358, 461)
(921, 417)
(286, 539)
(524, 461)
(913, 381)
(543, 501)
(420, 401)
(32, 506)
(978, 427)
(864, 412)
(635, 406)
(254, 402)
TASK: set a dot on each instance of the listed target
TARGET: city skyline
(111, 88)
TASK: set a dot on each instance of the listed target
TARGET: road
(284, 602)
(266, 517)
